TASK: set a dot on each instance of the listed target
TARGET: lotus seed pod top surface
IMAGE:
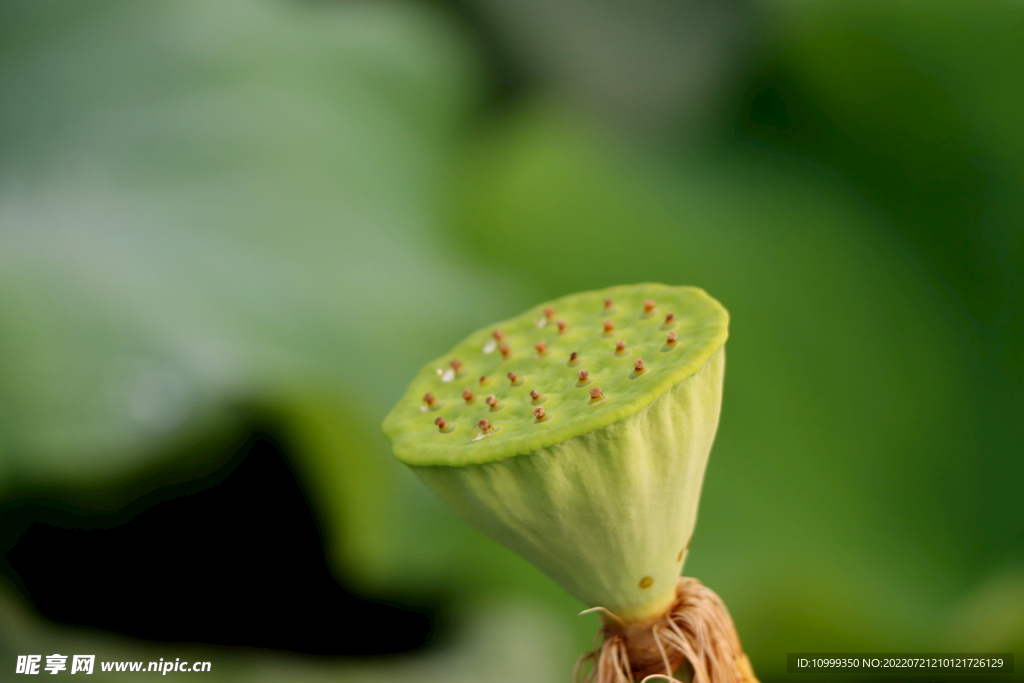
(608, 330)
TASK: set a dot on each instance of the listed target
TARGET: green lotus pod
(577, 434)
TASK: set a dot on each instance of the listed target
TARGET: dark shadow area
(239, 563)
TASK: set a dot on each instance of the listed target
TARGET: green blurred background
(229, 224)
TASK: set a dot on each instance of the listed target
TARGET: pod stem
(696, 631)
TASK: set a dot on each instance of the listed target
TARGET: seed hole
(646, 582)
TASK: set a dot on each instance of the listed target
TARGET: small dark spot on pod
(607, 304)
(679, 558)
(485, 425)
(649, 306)
(646, 582)
(483, 380)
(514, 378)
(505, 351)
(541, 347)
(561, 326)
(441, 424)
(467, 395)
(620, 347)
(583, 375)
(638, 365)
(608, 326)
(456, 365)
(498, 335)
(670, 318)
(429, 399)
(671, 338)
(595, 394)
(539, 413)
(492, 401)
(549, 313)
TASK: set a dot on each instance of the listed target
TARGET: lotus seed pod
(599, 487)
(636, 457)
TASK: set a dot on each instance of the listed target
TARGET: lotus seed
(534, 394)
(498, 335)
(561, 326)
(513, 377)
(595, 394)
(429, 399)
(583, 375)
(648, 306)
(607, 304)
(485, 425)
(441, 424)
(539, 413)
(608, 326)
(671, 338)
(467, 395)
(456, 366)
(541, 347)
(670, 318)
(638, 365)
(492, 401)
(505, 350)
(574, 357)
(549, 313)
(620, 347)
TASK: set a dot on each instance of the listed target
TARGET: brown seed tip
(492, 401)
(670, 318)
(485, 425)
(498, 335)
(505, 351)
(573, 357)
(608, 326)
(468, 395)
(456, 365)
(441, 424)
(607, 304)
(541, 346)
(429, 399)
(620, 347)
(534, 394)
(483, 379)
(561, 326)
(595, 394)
(539, 413)
(549, 313)
(514, 377)
(583, 375)
(638, 365)
(648, 306)
(671, 337)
